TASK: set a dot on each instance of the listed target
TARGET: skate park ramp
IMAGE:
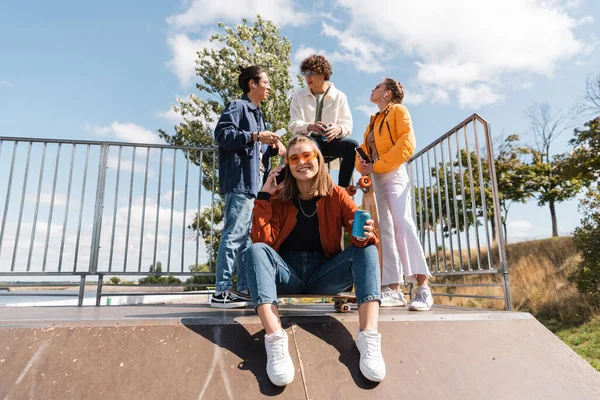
(195, 352)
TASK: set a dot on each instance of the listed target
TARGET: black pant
(340, 148)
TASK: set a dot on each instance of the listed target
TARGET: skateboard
(341, 301)
(368, 204)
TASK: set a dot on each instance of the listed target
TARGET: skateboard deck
(340, 300)
(369, 204)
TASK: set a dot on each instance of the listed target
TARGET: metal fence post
(98, 210)
(498, 218)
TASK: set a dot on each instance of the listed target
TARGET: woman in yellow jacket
(389, 141)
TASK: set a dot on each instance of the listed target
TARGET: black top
(305, 235)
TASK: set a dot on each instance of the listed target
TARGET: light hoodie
(303, 109)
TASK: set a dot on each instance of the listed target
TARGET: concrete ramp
(194, 352)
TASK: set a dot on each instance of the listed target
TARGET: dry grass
(538, 274)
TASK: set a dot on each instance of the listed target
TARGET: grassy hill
(538, 274)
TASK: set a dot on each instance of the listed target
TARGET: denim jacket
(239, 157)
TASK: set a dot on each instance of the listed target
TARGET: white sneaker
(280, 367)
(390, 298)
(371, 363)
(422, 301)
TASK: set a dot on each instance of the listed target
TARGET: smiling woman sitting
(297, 229)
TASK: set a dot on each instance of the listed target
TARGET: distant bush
(159, 280)
(115, 280)
(587, 240)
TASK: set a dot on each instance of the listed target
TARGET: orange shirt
(273, 220)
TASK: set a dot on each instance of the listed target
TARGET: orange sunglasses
(306, 157)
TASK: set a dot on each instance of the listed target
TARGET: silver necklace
(305, 214)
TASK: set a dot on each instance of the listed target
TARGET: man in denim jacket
(240, 135)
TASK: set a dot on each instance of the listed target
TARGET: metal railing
(62, 219)
(456, 209)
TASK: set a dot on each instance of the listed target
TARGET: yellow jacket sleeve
(404, 142)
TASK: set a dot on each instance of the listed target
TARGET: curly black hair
(317, 64)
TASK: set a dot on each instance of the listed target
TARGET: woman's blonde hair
(322, 183)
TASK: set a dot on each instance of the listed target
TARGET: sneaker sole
(229, 305)
(419, 309)
(393, 305)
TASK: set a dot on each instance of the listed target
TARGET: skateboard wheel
(351, 190)
(337, 307)
(364, 182)
(344, 308)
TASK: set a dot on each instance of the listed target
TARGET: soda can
(360, 220)
(323, 132)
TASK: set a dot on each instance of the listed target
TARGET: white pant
(398, 234)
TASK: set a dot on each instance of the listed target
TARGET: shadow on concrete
(249, 347)
(336, 334)
(236, 339)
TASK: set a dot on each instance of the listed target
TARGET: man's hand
(317, 127)
(332, 131)
(268, 137)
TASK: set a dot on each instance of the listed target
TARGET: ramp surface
(195, 352)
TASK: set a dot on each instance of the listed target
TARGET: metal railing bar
(128, 227)
(51, 212)
(21, 206)
(37, 207)
(160, 163)
(185, 196)
(172, 210)
(81, 206)
(473, 201)
(64, 229)
(144, 209)
(115, 208)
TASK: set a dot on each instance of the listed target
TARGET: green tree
(587, 241)
(461, 209)
(552, 182)
(259, 43)
(584, 164)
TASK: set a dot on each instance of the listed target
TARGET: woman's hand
(366, 168)
(369, 229)
(270, 186)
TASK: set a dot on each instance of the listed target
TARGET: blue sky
(111, 70)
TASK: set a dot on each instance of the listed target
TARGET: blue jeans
(235, 238)
(271, 274)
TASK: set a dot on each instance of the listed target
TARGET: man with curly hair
(321, 111)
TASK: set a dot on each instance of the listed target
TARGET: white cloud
(204, 12)
(304, 52)
(520, 229)
(199, 13)
(127, 132)
(171, 116)
(477, 96)
(413, 98)
(46, 199)
(463, 51)
(184, 54)
(360, 52)
(368, 109)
